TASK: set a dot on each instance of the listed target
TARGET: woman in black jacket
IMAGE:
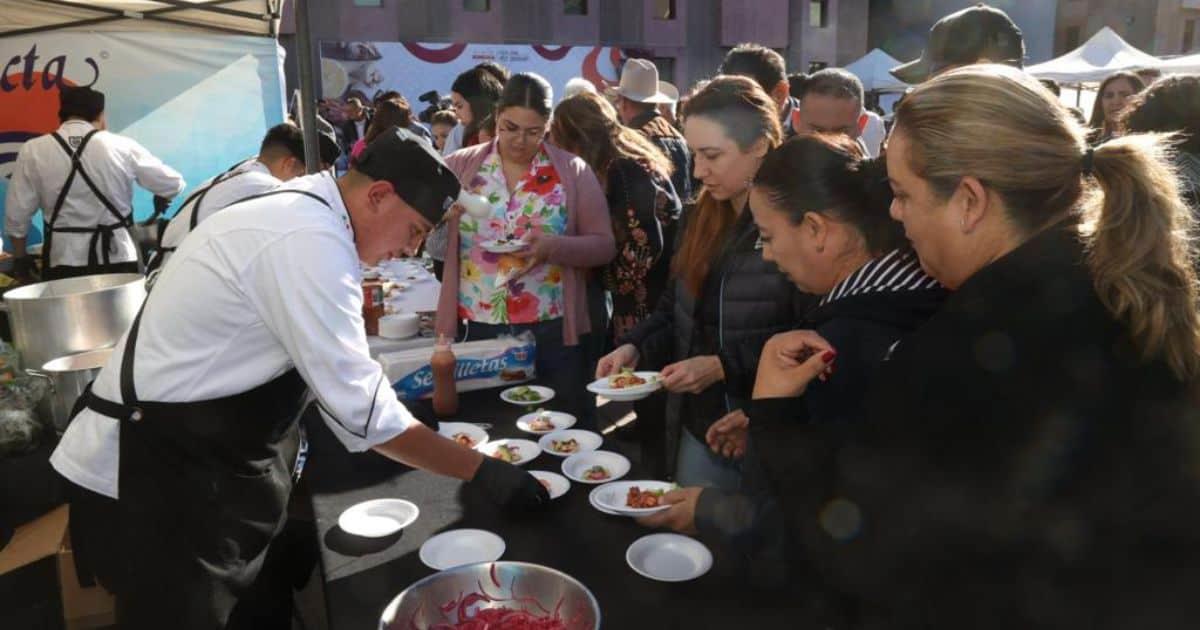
(1029, 457)
(724, 301)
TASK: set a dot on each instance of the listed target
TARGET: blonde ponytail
(1137, 232)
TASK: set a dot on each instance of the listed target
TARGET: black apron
(161, 252)
(203, 490)
(102, 234)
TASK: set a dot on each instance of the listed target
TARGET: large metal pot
(68, 377)
(61, 317)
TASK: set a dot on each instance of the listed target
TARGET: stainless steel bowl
(523, 586)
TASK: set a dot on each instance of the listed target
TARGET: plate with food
(595, 467)
(571, 441)
(516, 452)
(504, 245)
(465, 433)
(626, 385)
(527, 395)
(633, 498)
(378, 517)
(457, 547)
(669, 557)
(556, 484)
(543, 421)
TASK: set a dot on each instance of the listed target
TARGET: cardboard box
(38, 584)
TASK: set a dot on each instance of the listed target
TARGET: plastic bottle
(445, 388)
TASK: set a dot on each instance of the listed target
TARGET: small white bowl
(494, 247)
(561, 420)
(616, 464)
(588, 441)
(627, 394)
(669, 557)
(378, 517)
(399, 325)
(457, 547)
(558, 483)
(546, 394)
(611, 496)
(526, 449)
(450, 429)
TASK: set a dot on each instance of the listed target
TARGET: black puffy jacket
(753, 301)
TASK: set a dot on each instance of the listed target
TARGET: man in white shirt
(180, 462)
(82, 176)
(280, 158)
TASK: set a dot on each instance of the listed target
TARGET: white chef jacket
(248, 178)
(114, 162)
(873, 134)
(258, 288)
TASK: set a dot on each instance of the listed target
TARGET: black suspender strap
(101, 234)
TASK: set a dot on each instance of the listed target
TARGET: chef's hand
(693, 375)
(790, 361)
(161, 204)
(508, 485)
(537, 251)
(626, 356)
(454, 212)
(681, 517)
(727, 436)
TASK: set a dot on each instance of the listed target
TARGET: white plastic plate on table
(558, 483)
(612, 496)
(526, 449)
(449, 429)
(669, 557)
(561, 420)
(378, 517)
(626, 394)
(503, 248)
(616, 464)
(545, 392)
(588, 441)
(457, 547)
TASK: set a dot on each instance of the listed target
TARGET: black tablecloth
(363, 575)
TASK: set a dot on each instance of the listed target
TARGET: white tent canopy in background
(873, 70)
(1102, 55)
(237, 17)
(1181, 65)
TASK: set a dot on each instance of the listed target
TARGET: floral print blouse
(537, 203)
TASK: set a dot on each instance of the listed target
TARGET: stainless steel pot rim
(37, 291)
(90, 360)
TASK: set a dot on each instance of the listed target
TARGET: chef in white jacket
(280, 158)
(81, 177)
(180, 461)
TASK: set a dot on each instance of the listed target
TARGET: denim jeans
(699, 466)
(559, 366)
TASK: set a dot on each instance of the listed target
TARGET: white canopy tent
(236, 17)
(1181, 65)
(873, 70)
(1102, 55)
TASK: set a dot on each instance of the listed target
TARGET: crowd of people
(938, 372)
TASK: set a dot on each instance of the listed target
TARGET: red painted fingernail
(828, 356)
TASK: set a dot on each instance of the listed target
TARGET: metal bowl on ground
(536, 589)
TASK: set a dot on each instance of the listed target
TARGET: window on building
(368, 3)
(481, 6)
(1072, 38)
(818, 13)
(1189, 35)
(575, 7)
(817, 66)
(666, 67)
(664, 9)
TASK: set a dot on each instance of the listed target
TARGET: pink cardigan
(588, 241)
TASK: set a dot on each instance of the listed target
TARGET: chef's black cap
(83, 102)
(417, 172)
(965, 37)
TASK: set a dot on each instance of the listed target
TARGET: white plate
(561, 420)
(611, 496)
(625, 394)
(669, 557)
(546, 393)
(448, 429)
(506, 248)
(558, 483)
(588, 441)
(379, 517)
(616, 464)
(596, 504)
(526, 449)
(457, 547)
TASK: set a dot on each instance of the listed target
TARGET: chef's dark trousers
(58, 272)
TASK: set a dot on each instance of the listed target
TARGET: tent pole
(308, 114)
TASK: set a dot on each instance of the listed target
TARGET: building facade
(1159, 27)
(686, 38)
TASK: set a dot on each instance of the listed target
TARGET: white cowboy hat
(639, 82)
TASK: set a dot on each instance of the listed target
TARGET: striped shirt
(898, 270)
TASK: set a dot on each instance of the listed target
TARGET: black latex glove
(160, 204)
(508, 485)
(23, 267)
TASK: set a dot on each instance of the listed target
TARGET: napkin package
(503, 361)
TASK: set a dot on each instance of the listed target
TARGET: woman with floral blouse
(549, 203)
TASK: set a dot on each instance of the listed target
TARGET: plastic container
(445, 389)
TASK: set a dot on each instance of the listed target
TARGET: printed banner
(200, 103)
